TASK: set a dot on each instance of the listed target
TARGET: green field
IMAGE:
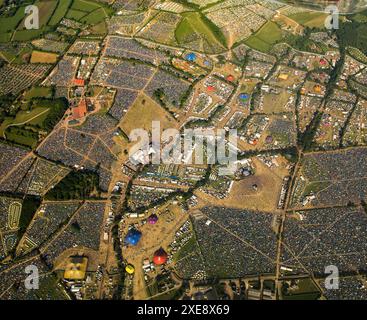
(310, 19)
(60, 12)
(51, 13)
(24, 127)
(24, 140)
(38, 92)
(5, 37)
(192, 23)
(83, 5)
(26, 35)
(75, 14)
(11, 23)
(306, 290)
(99, 29)
(95, 17)
(23, 117)
(35, 117)
(264, 39)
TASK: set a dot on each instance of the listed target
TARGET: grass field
(193, 22)
(51, 12)
(22, 140)
(38, 92)
(43, 57)
(60, 12)
(75, 14)
(24, 117)
(83, 5)
(95, 17)
(99, 29)
(25, 35)
(151, 111)
(5, 37)
(11, 23)
(306, 290)
(13, 129)
(268, 35)
(310, 19)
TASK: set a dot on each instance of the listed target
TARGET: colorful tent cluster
(160, 257)
(133, 237)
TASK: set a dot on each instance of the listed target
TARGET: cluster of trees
(57, 107)
(10, 7)
(76, 185)
(6, 101)
(353, 33)
(302, 43)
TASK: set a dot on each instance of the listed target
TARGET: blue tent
(191, 57)
(133, 237)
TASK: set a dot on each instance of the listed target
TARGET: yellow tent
(76, 268)
(130, 269)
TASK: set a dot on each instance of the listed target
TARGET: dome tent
(244, 96)
(130, 269)
(160, 257)
(153, 219)
(191, 57)
(133, 237)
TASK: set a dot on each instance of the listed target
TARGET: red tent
(79, 82)
(160, 257)
(230, 78)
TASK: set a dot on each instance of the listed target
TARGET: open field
(263, 40)
(88, 12)
(38, 92)
(310, 19)
(151, 111)
(51, 12)
(11, 23)
(60, 12)
(171, 217)
(43, 57)
(243, 196)
(22, 117)
(194, 24)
